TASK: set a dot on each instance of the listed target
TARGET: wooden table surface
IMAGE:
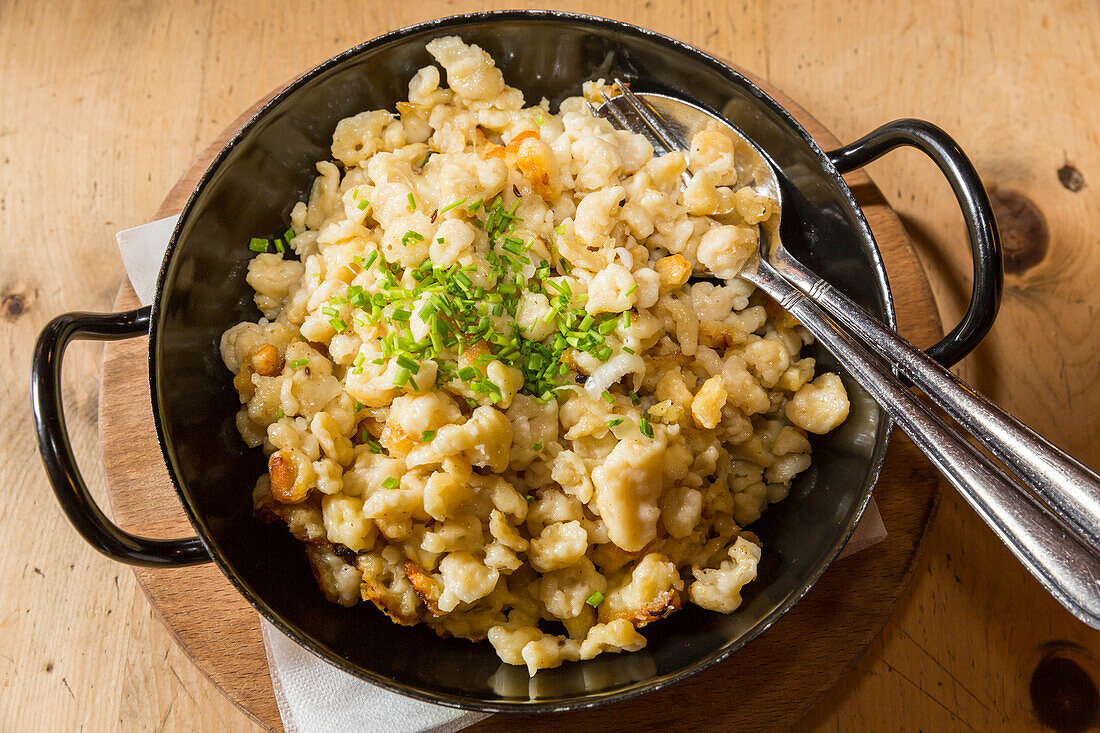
(103, 104)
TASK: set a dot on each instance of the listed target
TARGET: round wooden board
(808, 651)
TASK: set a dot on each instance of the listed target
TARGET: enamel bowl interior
(249, 191)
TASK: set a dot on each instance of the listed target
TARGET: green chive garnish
(453, 205)
(257, 245)
(595, 599)
(390, 483)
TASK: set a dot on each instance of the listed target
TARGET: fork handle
(1067, 486)
(1059, 560)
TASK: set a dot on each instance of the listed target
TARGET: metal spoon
(1054, 530)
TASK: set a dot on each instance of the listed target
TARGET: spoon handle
(1059, 560)
(1071, 490)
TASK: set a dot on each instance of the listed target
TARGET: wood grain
(104, 103)
(221, 634)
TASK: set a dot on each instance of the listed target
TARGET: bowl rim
(578, 701)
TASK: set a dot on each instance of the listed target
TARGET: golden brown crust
(266, 361)
(717, 335)
(424, 586)
(661, 606)
(283, 476)
(376, 594)
(674, 271)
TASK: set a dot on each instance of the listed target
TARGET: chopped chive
(407, 363)
(411, 236)
(539, 120)
(401, 314)
(634, 399)
(401, 377)
(476, 205)
(560, 228)
(626, 319)
(528, 497)
(328, 310)
(426, 436)
(370, 260)
(374, 446)
(279, 414)
(390, 483)
(536, 447)
(644, 426)
(289, 234)
(363, 205)
(453, 205)
(628, 350)
(426, 310)
(608, 326)
(297, 363)
(631, 289)
(412, 202)
(358, 407)
(614, 421)
(257, 245)
(595, 599)
(338, 324)
(279, 246)
(607, 397)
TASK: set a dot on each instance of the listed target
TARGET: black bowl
(248, 191)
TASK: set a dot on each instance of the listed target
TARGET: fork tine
(652, 120)
(615, 111)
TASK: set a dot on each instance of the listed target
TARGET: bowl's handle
(57, 453)
(985, 244)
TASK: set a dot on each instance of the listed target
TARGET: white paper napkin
(314, 696)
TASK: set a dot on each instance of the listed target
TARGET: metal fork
(1056, 551)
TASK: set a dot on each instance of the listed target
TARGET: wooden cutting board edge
(220, 632)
